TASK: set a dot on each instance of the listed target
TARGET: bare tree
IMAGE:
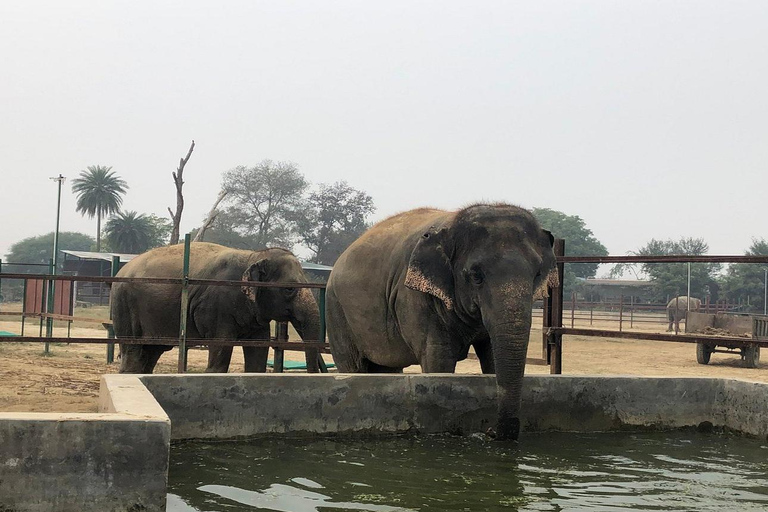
(211, 217)
(179, 182)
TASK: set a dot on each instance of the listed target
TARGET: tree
(579, 241)
(99, 192)
(334, 217)
(134, 233)
(263, 202)
(178, 181)
(39, 249)
(746, 281)
(671, 279)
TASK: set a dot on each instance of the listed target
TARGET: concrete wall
(117, 460)
(227, 406)
(736, 324)
(112, 461)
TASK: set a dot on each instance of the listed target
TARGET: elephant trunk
(510, 331)
(306, 321)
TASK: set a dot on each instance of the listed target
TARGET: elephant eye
(289, 291)
(476, 276)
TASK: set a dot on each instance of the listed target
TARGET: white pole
(689, 287)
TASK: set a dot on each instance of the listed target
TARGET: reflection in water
(549, 472)
(284, 498)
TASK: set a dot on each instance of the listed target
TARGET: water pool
(669, 471)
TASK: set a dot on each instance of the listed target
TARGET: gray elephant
(677, 309)
(229, 312)
(423, 286)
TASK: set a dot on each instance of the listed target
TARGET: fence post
(184, 309)
(49, 307)
(631, 311)
(621, 312)
(281, 335)
(111, 330)
(573, 308)
(677, 312)
(320, 361)
(556, 351)
(1, 282)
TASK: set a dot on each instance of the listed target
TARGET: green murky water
(683, 471)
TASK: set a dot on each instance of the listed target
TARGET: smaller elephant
(677, 309)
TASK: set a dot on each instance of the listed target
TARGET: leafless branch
(211, 217)
(179, 182)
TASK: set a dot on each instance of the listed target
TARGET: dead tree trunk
(211, 217)
(179, 182)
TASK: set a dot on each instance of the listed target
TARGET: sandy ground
(67, 380)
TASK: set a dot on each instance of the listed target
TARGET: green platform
(6, 333)
(295, 365)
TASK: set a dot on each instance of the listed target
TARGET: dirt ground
(67, 380)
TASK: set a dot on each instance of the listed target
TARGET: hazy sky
(646, 118)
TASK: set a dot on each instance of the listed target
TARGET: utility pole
(51, 284)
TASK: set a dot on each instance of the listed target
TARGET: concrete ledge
(110, 461)
(230, 405)
(117, 460)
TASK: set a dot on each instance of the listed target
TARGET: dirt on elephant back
(67, 379)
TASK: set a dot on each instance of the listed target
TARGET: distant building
(612, 290)
(86, 263)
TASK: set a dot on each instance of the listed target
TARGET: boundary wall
(117, 459)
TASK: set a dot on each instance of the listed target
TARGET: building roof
(315, 266)
(105, 256)
(616, 282)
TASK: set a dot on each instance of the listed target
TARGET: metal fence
(554, 310)
(554, 313)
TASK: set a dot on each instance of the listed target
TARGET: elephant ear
(256, 272)
(429, 269)
(552, 280)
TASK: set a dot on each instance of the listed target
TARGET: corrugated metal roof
(105, 256)
(615, 282)
(315, 266)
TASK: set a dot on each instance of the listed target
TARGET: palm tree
(130, 232)
(99, 192)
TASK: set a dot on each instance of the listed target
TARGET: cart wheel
(751, 356)
(703, 352)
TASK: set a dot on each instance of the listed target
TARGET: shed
(611, 290)
(86, 263)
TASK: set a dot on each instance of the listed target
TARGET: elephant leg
(153, 353)
(346, 355)
(256, 357)
(139, 358)
(485, 355)
(218, 359)
(377, 368)
(438, 356)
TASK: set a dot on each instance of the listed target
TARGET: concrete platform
(117, 460)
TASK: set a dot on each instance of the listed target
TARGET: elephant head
(485, 265)
(295, 305)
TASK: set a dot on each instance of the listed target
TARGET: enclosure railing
(554, 308)
(279, 343)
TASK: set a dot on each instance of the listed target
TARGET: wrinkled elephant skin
(424, 286)
(143, 310)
